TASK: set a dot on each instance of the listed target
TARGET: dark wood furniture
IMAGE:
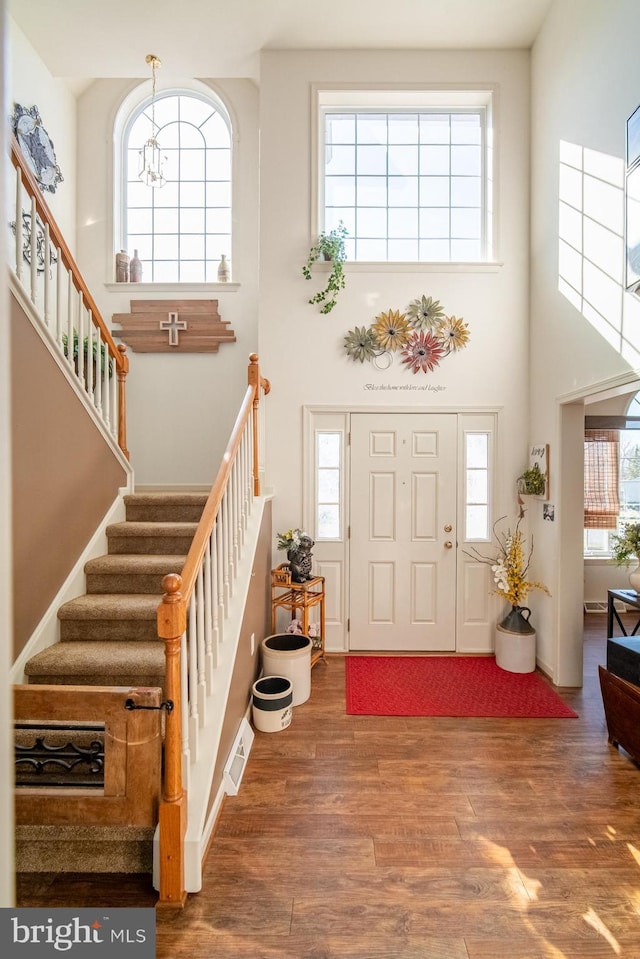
(622, 711)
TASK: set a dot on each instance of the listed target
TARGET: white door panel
(403, 561)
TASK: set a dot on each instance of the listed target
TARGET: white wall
(29, 84)
(302, 350)
(180, 407)
(575, 103)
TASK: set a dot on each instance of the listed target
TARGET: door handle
(448, 544)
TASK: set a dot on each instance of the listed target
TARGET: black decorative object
(299, 557)
(60, 763)
(36, 146)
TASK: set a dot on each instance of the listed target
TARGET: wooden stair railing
(50, 276)
(191, 623)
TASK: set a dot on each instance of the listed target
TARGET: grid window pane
(328, 522)
(328, 450)
(476, 450)
(477, 518)
(428, 162)
(167, 225)
(328, 484)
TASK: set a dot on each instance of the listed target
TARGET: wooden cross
(173, 325)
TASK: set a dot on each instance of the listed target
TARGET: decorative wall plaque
(166, 326)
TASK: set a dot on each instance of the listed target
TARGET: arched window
(181, 229)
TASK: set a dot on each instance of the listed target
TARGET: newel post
(172, 623)
(257, 382)
(123, 369)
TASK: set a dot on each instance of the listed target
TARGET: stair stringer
(200, 817)
(47, 633)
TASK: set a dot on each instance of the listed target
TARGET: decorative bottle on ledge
(122, 267)
(223, 270)
(135, 268)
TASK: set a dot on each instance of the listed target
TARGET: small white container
(272, 703)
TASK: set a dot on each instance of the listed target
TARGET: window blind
(601, 478)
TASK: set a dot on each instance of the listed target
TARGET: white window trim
(386, 96)
(137, 96)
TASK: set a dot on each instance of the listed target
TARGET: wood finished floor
(412, 838)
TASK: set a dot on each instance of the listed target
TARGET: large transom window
(409, 184)
(181, 229)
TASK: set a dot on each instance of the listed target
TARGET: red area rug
(447, 686)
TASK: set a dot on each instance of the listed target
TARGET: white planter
(634, 578)
(289, 654)
(272, 703)
(515, 652)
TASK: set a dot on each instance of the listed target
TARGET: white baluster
(113, 388)
(33, 243)
(81, 362)
(70, 304)
(47, 276)
(210, 655)
(192, 654)
(201, 647)
(245, 479)
(235, 512)
(89, 358)
(19, 251)
(104, 386)
(59, 300)
(228, 558)
(222, 604)
(184, 709)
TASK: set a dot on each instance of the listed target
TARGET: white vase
(634, 578)
(515, 652)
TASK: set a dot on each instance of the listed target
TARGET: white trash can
(289, 654)
(272, 703)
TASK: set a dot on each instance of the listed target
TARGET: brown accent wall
(65, 476)
(257, 619)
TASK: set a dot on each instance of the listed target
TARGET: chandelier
(151, 158)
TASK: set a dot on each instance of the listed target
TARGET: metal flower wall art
(422, 337)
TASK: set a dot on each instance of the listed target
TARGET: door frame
(476, 606)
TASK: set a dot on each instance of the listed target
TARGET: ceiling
(217, 38)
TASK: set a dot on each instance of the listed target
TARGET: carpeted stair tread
(148, 537)
(176, 507)
(111, 606)
(131, 573)
(137, 663)
(84, 849)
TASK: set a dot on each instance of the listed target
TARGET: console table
(285, 594)
(630, 598)
(623, 652)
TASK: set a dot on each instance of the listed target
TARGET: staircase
(108, 637)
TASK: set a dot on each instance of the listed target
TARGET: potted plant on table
(329, 246)
(515, 636)
(625, 546)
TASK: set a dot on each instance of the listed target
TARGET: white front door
(403, 531)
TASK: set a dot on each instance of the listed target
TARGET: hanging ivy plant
(329, 247)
